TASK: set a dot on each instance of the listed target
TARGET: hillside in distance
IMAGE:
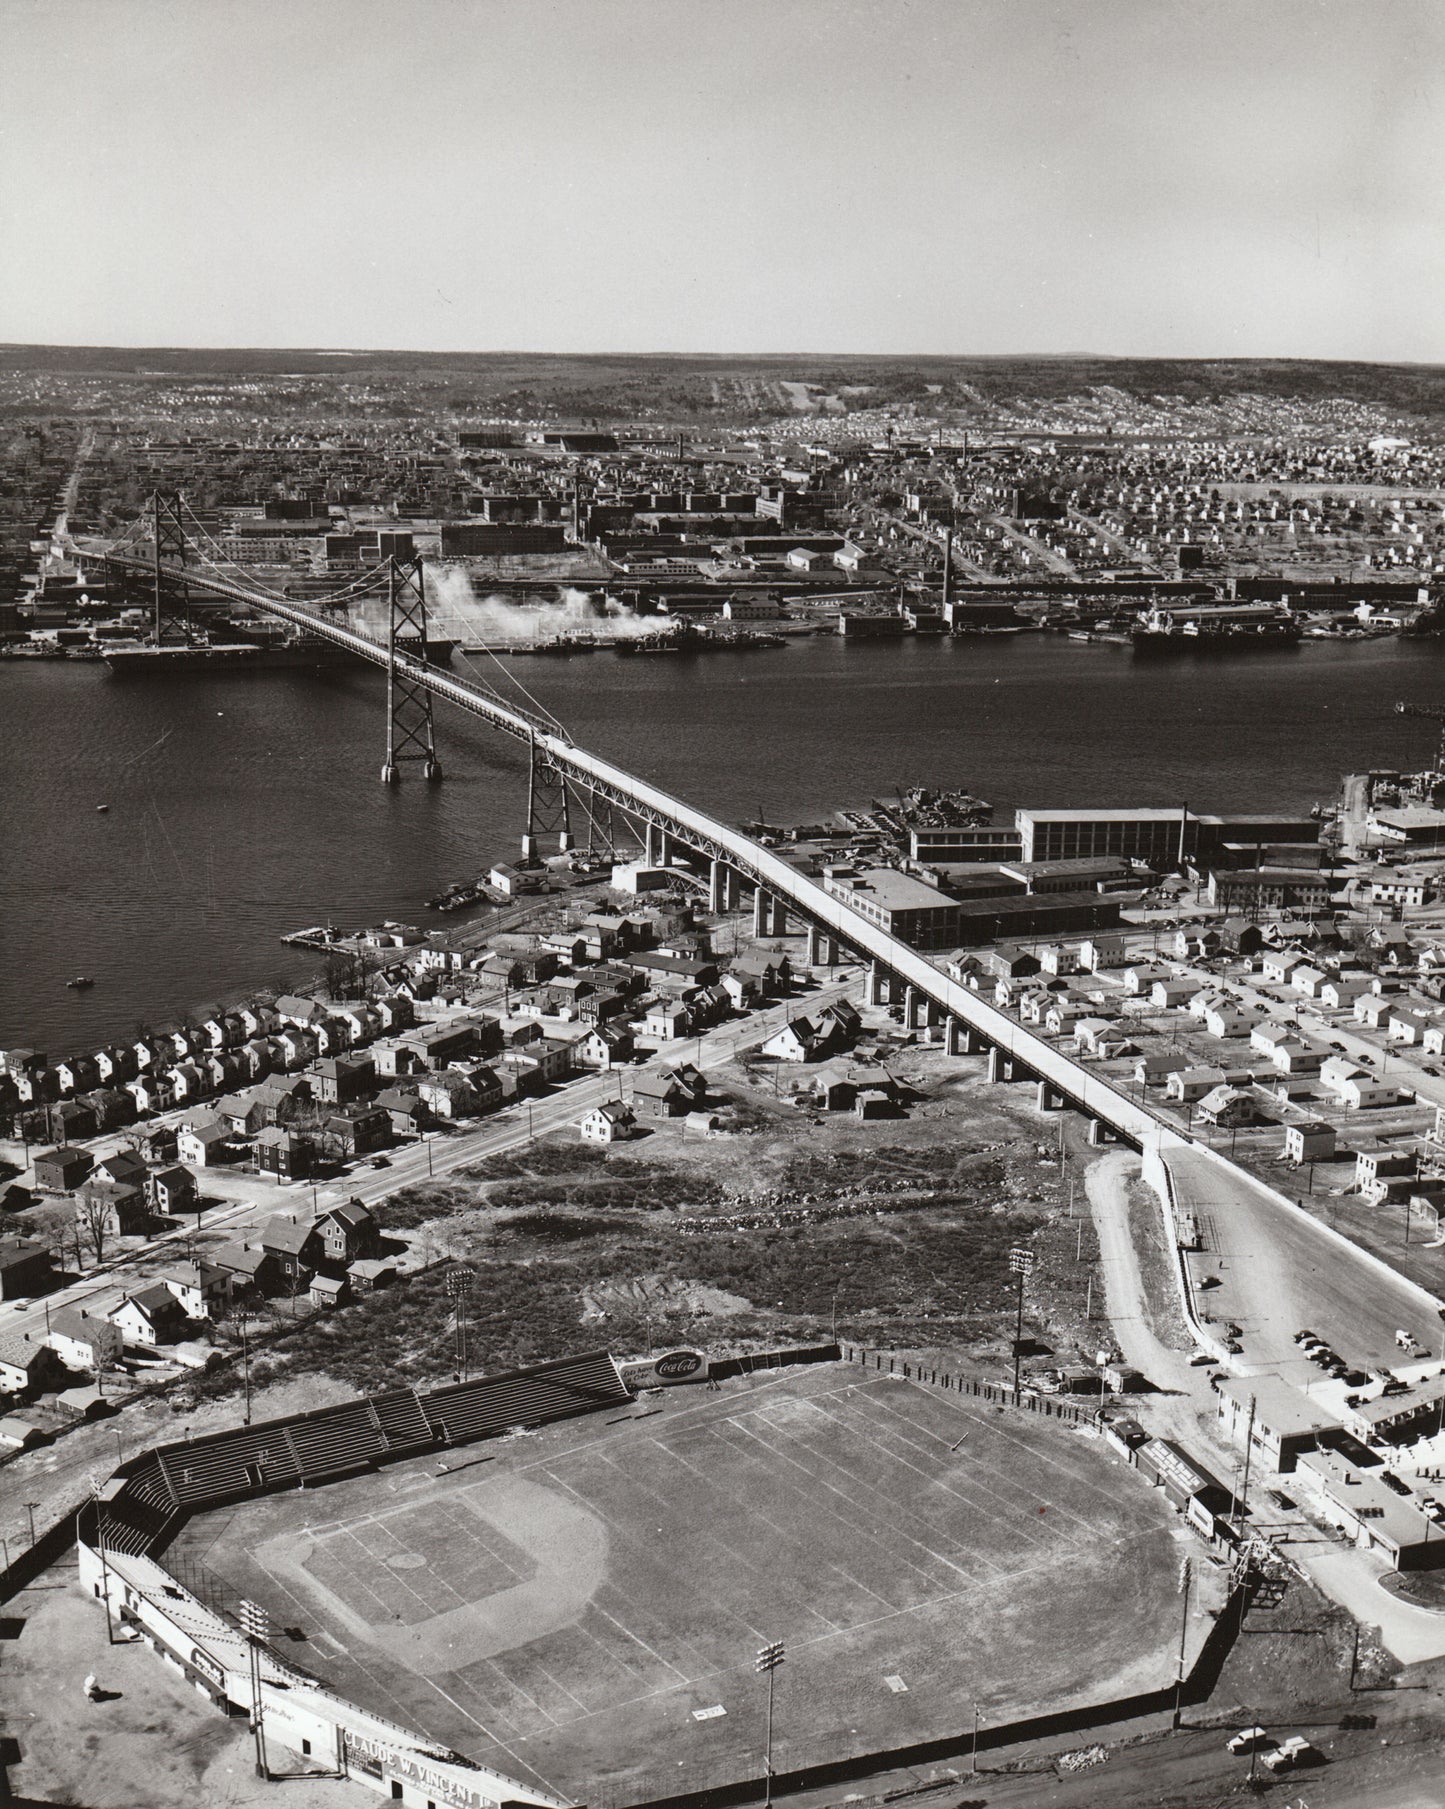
(727, 387)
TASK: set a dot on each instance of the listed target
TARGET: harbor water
(243, 806)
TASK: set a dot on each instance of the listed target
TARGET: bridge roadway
(757, 865)
(1196, 1173)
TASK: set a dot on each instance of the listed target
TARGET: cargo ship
(1214, 628)
(244, 651)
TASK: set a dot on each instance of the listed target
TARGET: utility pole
(256, 1625)
(1021, 1262)
(768, 1659)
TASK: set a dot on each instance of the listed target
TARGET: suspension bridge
(167, 557)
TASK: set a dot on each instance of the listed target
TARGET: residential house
(62, 1170)
(1188, 1084)
(447, 1095)
(72, 1119)
(149, 1091)
(249, 1265)
(670, 1093)
(243, 1113)
(1361, 1091)
(1224, 1018)
(125, 1166)
(610, 1122)
(25, 1267)
(172, 1190)
(282, 1095)
(205, 1143)
(1168, 995)
(1008, 962)
(1377, 1162)
(1140, 978)
(1404, 1026)
(1154, 1070)
(1279, 964)
(1102, 1038)
(347, 1232)
(76, 1074)
(1373, 1009)
(408, 1115)
(83, 1340)
(338, 1079)
(110, 1209)
(282, 1152)
(669, 1020)
(1228, 1107)
(356, 1130)
(292, 1009)
(294, 1245)
(1098, 953)
(186, 1082)
(111, 1107)
(1057, 958)
(115, 1066)
(1340, 994)
(801, 1040)
(606, 1046)
(1311, 1141)
(151, 1315)
(27, 1366)
(538, 1063)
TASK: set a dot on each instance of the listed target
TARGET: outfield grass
(562, 1603)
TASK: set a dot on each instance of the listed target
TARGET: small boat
(102, 808)
(81, 981)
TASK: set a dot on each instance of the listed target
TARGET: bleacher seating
(524, 1397)
(227, 1464)
(335, 1440)
(331, 1441)
(400, 1419)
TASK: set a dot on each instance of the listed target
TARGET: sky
(1162, 178)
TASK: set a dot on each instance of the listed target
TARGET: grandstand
(329, 1442)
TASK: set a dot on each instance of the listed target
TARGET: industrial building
(900, 903)
(1162, 837)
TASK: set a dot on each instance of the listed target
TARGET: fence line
(887, 1363)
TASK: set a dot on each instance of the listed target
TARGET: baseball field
(582, 1605)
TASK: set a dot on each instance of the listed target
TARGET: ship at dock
(1214, 628)
(233, 646)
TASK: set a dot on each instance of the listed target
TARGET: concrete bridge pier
(565, 843)
(972, 1042)
(877, 984)
(762, 913)
(999, 1066)
(1049, 1099)
(779, 919)
(529, 844)
(717, 881)
(1098, 1133)
(657, 846)
(822, 949)
(910, 1008)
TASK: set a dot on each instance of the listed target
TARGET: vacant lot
(561, 1604)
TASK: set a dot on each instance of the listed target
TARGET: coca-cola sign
(678, 1365)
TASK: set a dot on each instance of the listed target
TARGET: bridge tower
(409, 735)
(548, 803)
(170, 597)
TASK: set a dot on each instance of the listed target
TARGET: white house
(610, 1122)
(1360, 1091)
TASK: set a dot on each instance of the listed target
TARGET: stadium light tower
(768, 1659)
(1021, 1262)
(256, 1625)
(459, 1289)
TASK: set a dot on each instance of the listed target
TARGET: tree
(92, 1223)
